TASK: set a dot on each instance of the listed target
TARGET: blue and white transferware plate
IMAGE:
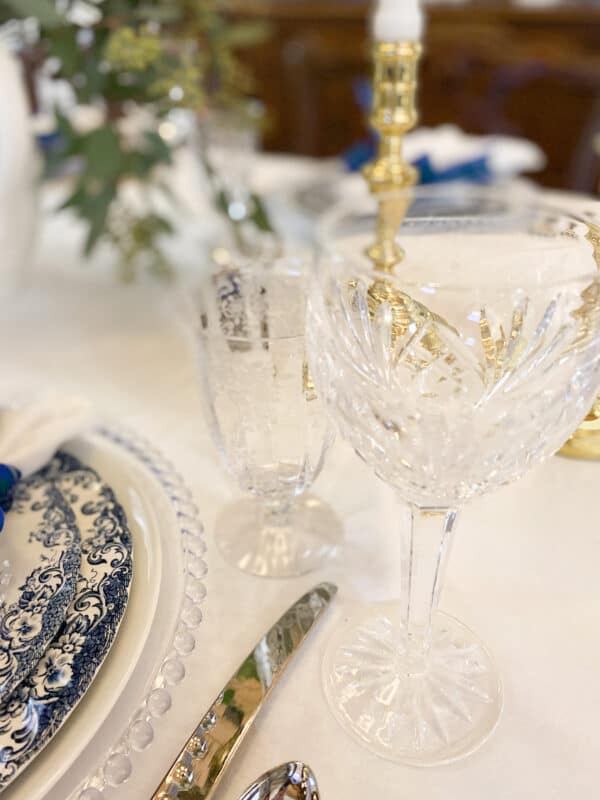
(35, 711)
(41, 545)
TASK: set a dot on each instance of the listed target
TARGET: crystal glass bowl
(452, 376)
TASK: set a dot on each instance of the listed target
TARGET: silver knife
(209, 750)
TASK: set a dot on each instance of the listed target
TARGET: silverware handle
(200, 765)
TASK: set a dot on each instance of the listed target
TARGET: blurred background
(527, 69)
(158, 136)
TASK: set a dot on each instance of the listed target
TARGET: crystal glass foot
(267, 420)
(423, 714)
(450, 376)
(278, 543)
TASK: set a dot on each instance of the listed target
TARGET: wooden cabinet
(490, 67)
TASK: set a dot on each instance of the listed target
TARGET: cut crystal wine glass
(266, 418)
(451, 377)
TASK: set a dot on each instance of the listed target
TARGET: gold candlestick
(391, 177)
(585, 442)
(394, 114)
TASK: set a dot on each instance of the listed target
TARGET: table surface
(524, 571)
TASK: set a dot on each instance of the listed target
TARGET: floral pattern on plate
(45, 534)
(36, 710)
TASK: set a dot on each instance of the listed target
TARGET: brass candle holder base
(585, 442)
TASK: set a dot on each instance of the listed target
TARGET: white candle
(398, 21)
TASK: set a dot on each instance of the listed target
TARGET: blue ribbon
(475, 170)
(8, 478)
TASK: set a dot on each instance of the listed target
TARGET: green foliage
(260, 217)
(138, 239)
(157, 55)
(130, 49)
(44, 10)
(105, 162)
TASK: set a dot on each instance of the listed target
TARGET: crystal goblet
(451, 377)
(267, 420)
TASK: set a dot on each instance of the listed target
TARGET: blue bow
(8, 478)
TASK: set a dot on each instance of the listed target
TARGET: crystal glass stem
(275, 526)
(425, 547)
(418, 687)
(277, 511)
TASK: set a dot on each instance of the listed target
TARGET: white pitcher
(19, 169)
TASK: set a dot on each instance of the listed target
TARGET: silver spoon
(293, 781)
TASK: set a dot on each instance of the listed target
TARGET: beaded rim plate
(98, 750)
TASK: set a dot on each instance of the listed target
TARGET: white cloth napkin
(31, 433)
(448, 145)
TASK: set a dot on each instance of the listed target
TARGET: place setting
(70, 606)
(68, 560)
(280, 512)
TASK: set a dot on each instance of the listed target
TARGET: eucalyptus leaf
(222, 202)
(102, 150)
(135, 164)
(157, 148)
(75, 199)
(43, 10)
(63, 46)
(63, 124)
(96, 211)
(260, 217)
(68, 143)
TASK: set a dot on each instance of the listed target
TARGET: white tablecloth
(524, 573)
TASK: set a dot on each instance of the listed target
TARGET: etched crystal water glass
(452, 377)
(266, 417)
